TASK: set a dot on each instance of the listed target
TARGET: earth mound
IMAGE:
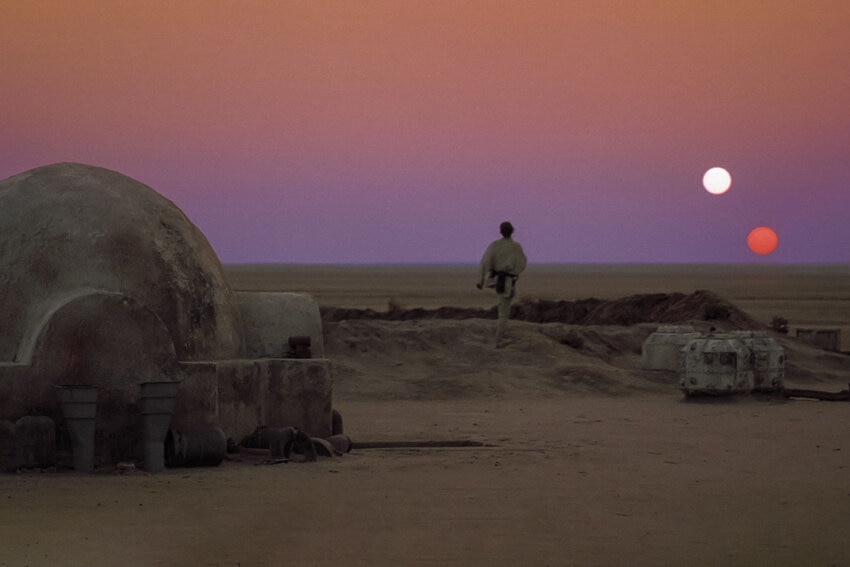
(642, 308)
(553, 348)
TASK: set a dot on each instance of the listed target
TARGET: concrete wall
(241, 395)
(237, 395)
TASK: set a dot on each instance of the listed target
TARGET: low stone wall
(241, 395)
(236, 395)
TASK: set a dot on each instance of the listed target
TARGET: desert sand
(581, 457)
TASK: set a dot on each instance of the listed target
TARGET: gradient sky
(396, 131)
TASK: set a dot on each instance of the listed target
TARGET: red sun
(762, 240)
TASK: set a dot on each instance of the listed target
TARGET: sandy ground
(573, 481)
(585, 460)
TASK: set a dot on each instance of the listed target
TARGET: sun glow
(762, 240)
(716, 180)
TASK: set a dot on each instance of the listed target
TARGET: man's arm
(484, 267)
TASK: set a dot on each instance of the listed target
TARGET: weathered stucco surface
(276, 316)
(239, 395)
(68, 229)
(105, 282)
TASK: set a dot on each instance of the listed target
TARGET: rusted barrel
(196, 447)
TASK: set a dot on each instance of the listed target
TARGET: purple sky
(405, 132)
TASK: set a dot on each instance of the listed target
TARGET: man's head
(506, 229)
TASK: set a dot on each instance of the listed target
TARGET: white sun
(716, 180)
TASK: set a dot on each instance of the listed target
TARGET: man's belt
(501, 279)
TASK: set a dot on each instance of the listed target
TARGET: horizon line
(536, 264)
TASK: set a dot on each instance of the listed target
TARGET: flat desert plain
(580, 456)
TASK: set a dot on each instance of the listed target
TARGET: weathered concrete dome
(88, 256)
(105, 283)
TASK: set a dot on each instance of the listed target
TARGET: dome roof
(69, 230)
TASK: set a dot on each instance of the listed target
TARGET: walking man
(501, 265)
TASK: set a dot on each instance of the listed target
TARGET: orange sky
(433, 99)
